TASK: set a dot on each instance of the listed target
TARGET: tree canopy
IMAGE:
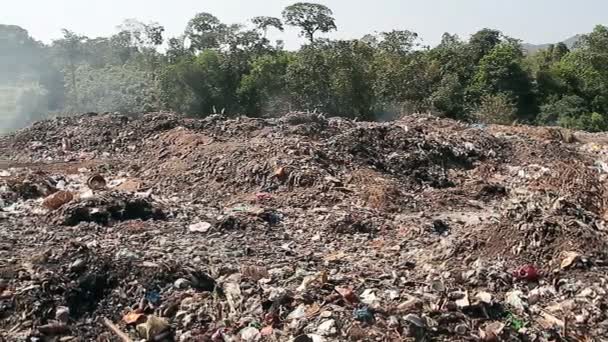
(310, 18)
(214, 66)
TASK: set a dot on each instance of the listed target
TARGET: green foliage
(562, 110)
(334, 77)
(501, 72)
(205, 31)
(232, 68)
(572, 112)
(310, 18)
(21, 57)
(264, 23)
(125, 89)
(482, 42)
(263, 90)
(496, 109)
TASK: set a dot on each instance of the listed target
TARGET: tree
(71, 48)
(500, 72)
(310, 18)
(264, 23)
(496, 109)
(398, 41)
(205, 31)
(143, 35)
(176, 50)
(559, 51)
(565, 109)
(116, 88)
(263, 91)
(21, 55)
(482, 42)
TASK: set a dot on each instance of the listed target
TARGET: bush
(496, 109)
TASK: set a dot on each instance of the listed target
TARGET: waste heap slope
(162, 228)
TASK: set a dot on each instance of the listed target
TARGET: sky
(533, 21)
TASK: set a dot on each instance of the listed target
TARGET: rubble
(303, 228)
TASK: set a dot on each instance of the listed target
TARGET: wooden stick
(116, 330)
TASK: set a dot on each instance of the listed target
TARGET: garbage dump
(303, 228)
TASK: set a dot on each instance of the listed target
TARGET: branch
(116, 330)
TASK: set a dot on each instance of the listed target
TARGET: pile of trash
(301, 228)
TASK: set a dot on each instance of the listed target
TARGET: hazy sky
(534, 21)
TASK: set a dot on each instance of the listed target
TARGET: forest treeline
(216, 67)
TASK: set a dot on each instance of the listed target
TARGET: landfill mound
(158, 227)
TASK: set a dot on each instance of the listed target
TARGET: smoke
(21, 105)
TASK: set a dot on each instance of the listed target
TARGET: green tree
(566, 109)
(264, 23)
(333, 77)
(72, 52)
(263, 91)
(21, 56)
(482, 42)
(496, 109)
(205, 31)
(398, 41)
(176, 50)
(310, 18)
(501, 72)
(455, 69)
(125, 89)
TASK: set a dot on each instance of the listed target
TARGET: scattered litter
(299, 228)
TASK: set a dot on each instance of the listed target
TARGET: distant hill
(532, 48)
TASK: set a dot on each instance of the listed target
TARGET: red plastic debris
(263, 196)
(528, 273)
(348, 295)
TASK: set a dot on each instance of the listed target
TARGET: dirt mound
(301, 228)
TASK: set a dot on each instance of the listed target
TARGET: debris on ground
(302, 228)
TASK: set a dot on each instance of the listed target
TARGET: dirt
(301, 228)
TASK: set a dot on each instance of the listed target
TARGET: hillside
(301, 228)
(532, 48)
